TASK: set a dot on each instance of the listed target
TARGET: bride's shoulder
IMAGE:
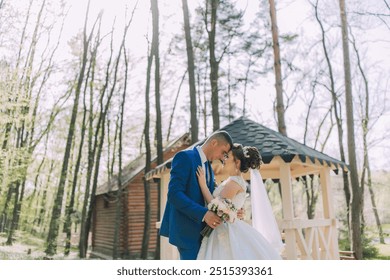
(238, 180)
(233, 182)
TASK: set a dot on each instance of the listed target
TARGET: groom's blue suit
(185, 208)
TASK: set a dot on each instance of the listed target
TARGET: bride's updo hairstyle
(249, 156)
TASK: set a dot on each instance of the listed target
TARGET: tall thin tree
(214, 62)
(51, 242)
(356, 188)
(191, 73)
(92, 145)
(70, 207)
(121, 216)
(280, 109)
(337, 113)
(366, 122)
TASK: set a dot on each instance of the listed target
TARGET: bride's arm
(203, 186)
(230, 189)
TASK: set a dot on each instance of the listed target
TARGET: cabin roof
(137, 166)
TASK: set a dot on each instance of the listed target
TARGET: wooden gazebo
(285, 160)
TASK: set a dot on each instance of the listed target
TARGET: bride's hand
(241, 213)
(201, 177)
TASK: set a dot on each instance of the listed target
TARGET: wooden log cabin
(132, 212)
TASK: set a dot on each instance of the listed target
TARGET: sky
(292, 18)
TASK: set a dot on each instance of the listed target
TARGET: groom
(185, 212)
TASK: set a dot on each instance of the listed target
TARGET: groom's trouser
(188, 254)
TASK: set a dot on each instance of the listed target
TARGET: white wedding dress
(237, 240)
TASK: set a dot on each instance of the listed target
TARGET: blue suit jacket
(185, 208)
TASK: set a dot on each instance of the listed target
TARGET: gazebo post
(327, 196)
(288, 211)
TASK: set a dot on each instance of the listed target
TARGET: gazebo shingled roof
(270, 144)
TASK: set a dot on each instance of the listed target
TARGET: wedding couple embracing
(204, 221)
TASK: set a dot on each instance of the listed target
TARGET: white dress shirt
(203, 159)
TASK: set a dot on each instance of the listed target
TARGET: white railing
(310, 239)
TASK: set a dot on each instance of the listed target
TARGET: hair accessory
(245, 151)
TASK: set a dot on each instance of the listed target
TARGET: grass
(384, 251)
(28, 247)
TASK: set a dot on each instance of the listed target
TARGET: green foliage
(344, 244)
(369, 250)
(289, 38)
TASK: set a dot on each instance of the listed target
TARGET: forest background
(86, 87)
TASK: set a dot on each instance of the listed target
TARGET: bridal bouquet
(224, 208)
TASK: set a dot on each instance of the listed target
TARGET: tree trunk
(121, 215)
(14, 214)
(93, 141)
(311, 195)
(70, 207)
(51, 246)
(101, 127)
(336, 107)
(42, 208)
(17, 183)
(366, 162)
(125, 208)
(214, 65)
(4, 212)
(174, 106)
(191, 73)
(34, 197)
(374, 208)
(160, 158)
(92, 144)
(119, 199)
(280, 110)
(145, 238)
(25, 130)
(154, 52)
(228, 93)
(356, 189)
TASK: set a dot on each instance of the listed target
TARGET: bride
(239, 240)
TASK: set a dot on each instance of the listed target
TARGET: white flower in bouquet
(224, 208)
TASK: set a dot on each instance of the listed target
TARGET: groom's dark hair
(221, 135)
